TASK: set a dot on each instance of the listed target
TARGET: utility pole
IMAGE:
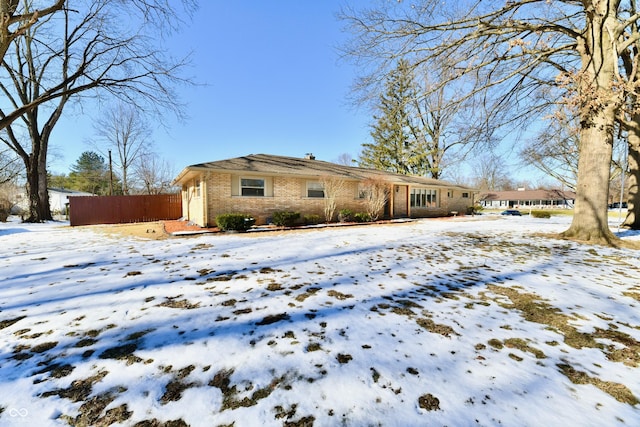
(110, 175)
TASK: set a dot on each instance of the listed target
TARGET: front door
(400, 198)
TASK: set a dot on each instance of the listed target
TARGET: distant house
(59, 199)
(261, 184)
(533, 199)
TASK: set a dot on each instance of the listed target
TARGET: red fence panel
(91, 210)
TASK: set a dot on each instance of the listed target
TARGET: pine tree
(90, 173)
(390, 133)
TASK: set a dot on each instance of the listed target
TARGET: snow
(347, 326)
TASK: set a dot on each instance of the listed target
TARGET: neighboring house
(261, 184)
(59, 199)
(533, 199)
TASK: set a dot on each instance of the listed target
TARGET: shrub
(312, 219)
(234, 222)
(361, 217)
(285, 218)
(540, 214)
(345, 215)
(5, 209)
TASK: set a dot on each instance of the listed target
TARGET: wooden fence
(90, 210)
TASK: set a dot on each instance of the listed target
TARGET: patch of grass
(429, 402)
(302, 422)
(8, 322)
(268, 320)
(119, 352)
(522, 345)
(91, 410)
(436, 328)
(634, 295)
(338, 295)
(310, 292)
(85, 342)
(173, 302)
(618, 391)
(313, 346)
(516, 357)
(535, 310)
(230, 400)
(496, 343)
(173, 391)
(79, 389)
(344, 358)
(137, 335)
(46, 346)
(274, 287)
(155, 423)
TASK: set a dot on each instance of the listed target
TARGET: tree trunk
(599, 105)
(591, 216)
(39, 209)
(632, 220)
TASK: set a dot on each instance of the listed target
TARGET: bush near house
(345, 215)
(285, 218)
(540, 214)
(312, 219)
(234, 222)
(361, 217)
(5, 209)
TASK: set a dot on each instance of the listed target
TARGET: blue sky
(273, 83)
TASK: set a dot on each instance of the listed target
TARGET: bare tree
(490, 174)
(377, 192)
(17, 16)
(90, 49)
(554, 150)
(333, 186)
(523, 55)
(123, 130)
(9, 166)
(154, 174)
(345, 159)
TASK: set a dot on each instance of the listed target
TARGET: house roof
(271, 165)
(528, 195)
(68, 192)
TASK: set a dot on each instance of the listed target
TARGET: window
(465, 195)
(315, 189)
(252, 187)
(363, 191)
(197, 187)
(423, 198)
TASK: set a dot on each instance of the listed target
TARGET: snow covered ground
(460, 322)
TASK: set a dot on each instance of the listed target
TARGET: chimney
(309, 156)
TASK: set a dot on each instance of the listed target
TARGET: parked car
(513, 212)
(616, 205)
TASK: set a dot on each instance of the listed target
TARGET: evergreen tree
(90, 173)
(390, 150)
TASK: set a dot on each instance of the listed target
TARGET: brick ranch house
(261, 184)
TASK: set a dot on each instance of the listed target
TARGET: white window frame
(318, 187)
(423, 198)
(197, 187)
(253, 187)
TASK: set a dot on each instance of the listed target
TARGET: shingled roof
(271, 165)
(528, 195)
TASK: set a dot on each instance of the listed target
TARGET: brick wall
(289, 194)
